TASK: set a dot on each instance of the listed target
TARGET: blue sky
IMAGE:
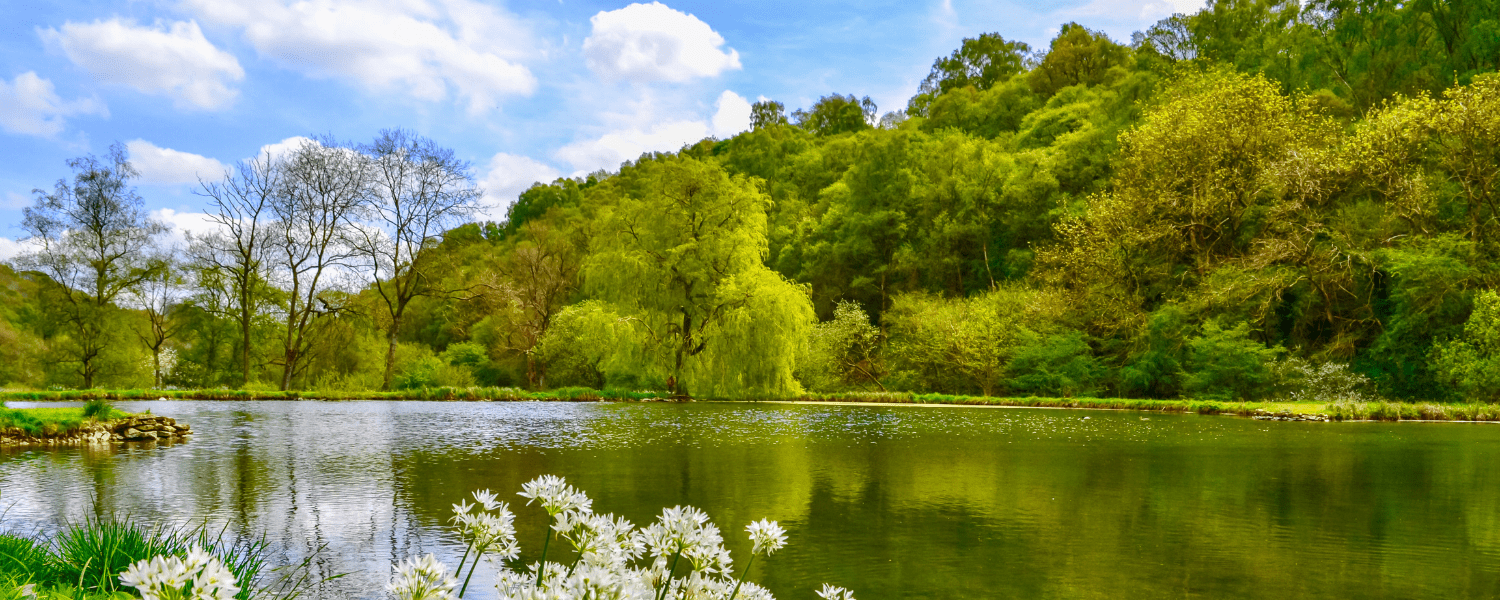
(526, 91)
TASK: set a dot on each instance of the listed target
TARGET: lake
(894, 502)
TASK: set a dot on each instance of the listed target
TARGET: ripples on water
(891, 501)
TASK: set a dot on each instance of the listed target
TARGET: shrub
(1227, 364)
(97, 408)
(1471, 363)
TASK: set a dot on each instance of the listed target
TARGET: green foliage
(979, 63)
(1078, 56)
(834, 114)
(23, 559)
(1471, 363)
(97, 408)
(1056, 365)
(1228, 364)
(843, 353)
(681, 257)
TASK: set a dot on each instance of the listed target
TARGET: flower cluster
(684, 553)
(197, 576)
(422, 579)
(833, 592)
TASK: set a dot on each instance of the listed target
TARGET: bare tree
(533, 286)
(158, 295)
(418, 191)
(324, 183)
(238, 250)
(93, 236)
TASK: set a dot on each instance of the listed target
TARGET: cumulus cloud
(506, 176)
(279, 149)
(731, 116)
(168, 59)
(611, 149)
(167, 166)
(30, 105)
(183, 223)
(429, 50)
(10, 248)
(651, 42)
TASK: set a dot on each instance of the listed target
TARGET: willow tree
(681, 253)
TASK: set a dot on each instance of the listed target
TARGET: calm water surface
(894, 502)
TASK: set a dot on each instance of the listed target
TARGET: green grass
(1338, 411)
(55, 421)
(85, 559)
(1342, 411)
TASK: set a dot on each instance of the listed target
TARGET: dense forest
(1262, 200)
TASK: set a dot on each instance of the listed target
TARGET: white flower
(422, 579)
(486, 499)
(831, 592)
(767, 535)
(28, 590)
(554, 494)
(170, 576)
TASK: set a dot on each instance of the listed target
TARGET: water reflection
(894, 502)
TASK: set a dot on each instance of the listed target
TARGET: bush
(1226, 364)
(98, 409)
(1058, 365)
(1471, 363)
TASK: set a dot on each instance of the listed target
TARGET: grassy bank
(83, 560)
(441, 393)
(1338, 411)
(55, 421)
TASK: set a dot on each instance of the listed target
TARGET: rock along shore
(138, 428)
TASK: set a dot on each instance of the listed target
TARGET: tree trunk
(390, 352)
(245, 340)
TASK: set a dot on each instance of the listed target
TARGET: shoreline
(1270, 411)
(132, 429)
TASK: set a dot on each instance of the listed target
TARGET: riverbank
(73, 427)
(1281, 411)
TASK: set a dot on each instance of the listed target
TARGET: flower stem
(661, 594)
(737, 583)
(471, 569)
(541, 567)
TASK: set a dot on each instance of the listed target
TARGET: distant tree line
(1260, 200)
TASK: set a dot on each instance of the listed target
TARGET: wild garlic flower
(833, 592)
(555, 495)
(677, 529)
(198, 576)
(491, 528)
(767, 536)
(422, 579)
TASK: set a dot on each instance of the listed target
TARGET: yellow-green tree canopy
(681, 252)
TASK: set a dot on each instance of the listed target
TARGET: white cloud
(733, 115)
(279, 149)
(10, 248)
(632, 136)
(651, 42)
(182, 223)
(30, 105)
(423, 48)
(611, 149)
(169, 59)
(508, 175)
(167, 166)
